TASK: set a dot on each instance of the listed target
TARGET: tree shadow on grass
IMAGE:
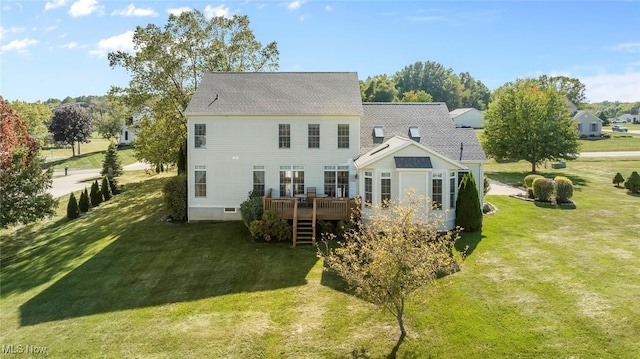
(468, 242)
(58, 162)
(150, 263)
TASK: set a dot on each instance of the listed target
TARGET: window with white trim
(368, 188)
(291, 180)
(284, 135)
(200, 180)
(314, 135)
(436, 189)
(336, 181)
(200, 135)
(452, 189)
(343, 135)
(385, 186)
(258, 180)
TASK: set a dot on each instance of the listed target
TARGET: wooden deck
(305, 215)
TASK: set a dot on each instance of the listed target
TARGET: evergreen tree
(111, 166)
(72, 207)
(633, 183)
(105, 189)
(95, 194)
(617, 179)
(84, 203)
(468, 209)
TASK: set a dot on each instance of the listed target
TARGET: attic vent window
(414, 133)
(378, 134)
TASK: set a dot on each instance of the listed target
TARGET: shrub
(72, 208)
(83, 203)
(106, 188)
(175, 197)
(563, 188)
(270, 227)
(487, 185)
(95, 195)
(528, 180)
(468, 210)
(530, 193)
(617, 179)
(543, 189)
(633, 183)
(251, 209)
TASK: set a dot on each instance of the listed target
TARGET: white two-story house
(285, 133)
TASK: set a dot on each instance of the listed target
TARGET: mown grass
(91, 156)
(537, 282)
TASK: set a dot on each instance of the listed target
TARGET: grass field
(91, 156)
(538, 282)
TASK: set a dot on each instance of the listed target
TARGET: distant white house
(128, 132)
(588, 124)
(467, 117)
(626, 118)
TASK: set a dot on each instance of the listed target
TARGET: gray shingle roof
(277, 93)
(437, 130)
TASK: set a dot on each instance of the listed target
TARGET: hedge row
(88, 199)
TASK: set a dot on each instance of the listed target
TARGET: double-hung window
(314, 136)
(200, 135)
(368, 188)
(452, 189)
(284, 135)
(436, 188)
(385, 187)
(200, 176)
(258, 180)
(343, 135)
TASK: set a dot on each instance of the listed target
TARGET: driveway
(79, 179)
(500, 189)
(610, 154)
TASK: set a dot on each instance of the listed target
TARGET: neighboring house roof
(433, 120)
(459, 111)
(277, 93)
(585, 115)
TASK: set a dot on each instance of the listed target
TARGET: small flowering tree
(397, 248)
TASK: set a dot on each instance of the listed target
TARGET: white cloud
(221, 10)
(122, 42)
(85, 7)
(19, 46)
(627, 47)
(613, 87)
(70, 45)
(54, 4)
(11, 30)
(295, 5)
(178, 10)
(328, 8)
(132, 10)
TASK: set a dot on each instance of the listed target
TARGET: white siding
(235, 144)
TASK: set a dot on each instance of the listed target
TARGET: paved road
(77, 180)
(611, 154)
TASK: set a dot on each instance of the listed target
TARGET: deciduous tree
(71, 124)
(395, 251)
(23, 184)
(36, 115)
(378, 89)
(169, 63)
(416, 96)
(527, 122)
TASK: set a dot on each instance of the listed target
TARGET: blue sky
(57, 48)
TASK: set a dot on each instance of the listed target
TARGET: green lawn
(538, 282)
(91, 156)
